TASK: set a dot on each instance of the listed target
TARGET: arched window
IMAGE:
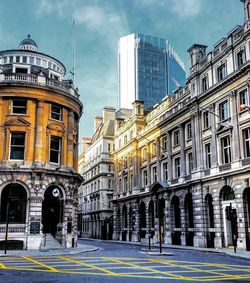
(13, 196)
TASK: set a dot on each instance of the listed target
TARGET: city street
(114, 262)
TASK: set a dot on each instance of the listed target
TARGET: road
(124, 263)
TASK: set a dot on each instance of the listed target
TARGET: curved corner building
(39, 115)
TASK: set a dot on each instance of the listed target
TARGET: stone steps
(50, 243)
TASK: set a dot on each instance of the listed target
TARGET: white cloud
(46, 7)
(181, 8)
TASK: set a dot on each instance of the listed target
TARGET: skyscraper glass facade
(157, 70)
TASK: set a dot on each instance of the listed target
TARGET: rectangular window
(224, 110)
(189, 131)
(17, 146)
(125, 183)
(17, 59)
(5, 60)
(109, 185)
(208, 155)
(19, 106)
(109, 147)
(145, 178)
(144, 153)
(38, 61)
(246, 139)
(225, 150)
(55, 149)
(56, 112)
(190, 163)
(204, 84)
(221, 72)
(164, 143)
(154, 173)
(32, 60)
(241, 58)
(165, 171)
(153, 149)
(177, 167)
(244, 97)
(176, 137)
(206, 120)
(11, 59)
(24, 59)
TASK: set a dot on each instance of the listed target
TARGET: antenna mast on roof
(74, 46)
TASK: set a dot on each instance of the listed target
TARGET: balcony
(65, 86)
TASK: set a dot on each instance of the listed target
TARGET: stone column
(39, 133)
(169, 150)
(158, 157)
(217, 221)
(182, 157)
(214, 161)
(197, 144)
(235, 142)
(135, 222)
(199, 214)
(70, 141)
(148, 164)
(183, 222)
(168, 238)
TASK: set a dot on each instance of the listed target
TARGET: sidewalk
(63, 251)
(229, 251)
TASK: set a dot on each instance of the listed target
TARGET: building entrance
(52, 210)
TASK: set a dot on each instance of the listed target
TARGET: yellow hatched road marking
(145, 268)
(40, 263)
(196, 269)
(87, 265)
(3, 266)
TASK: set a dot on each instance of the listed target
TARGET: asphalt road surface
(124, 263)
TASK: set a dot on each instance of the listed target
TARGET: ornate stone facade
(183, 168)
(39, 116)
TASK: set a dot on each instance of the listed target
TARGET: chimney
(108, 114)
(86, 141)
(197, 53)
(98, 121)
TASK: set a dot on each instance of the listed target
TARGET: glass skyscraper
(149, 69)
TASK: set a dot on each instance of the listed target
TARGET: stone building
(184, 168)
(95, 194)
(39, 113)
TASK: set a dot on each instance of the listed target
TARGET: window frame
(19, 107)
(224, 113)
(18, 146)
(56, 113)
(226, 154)
(208, 153)
(221, 72)
(59, 150)
(176, 137)
(246, 142)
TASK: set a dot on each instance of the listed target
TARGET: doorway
(52, 210)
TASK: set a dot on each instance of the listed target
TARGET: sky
(98, 26)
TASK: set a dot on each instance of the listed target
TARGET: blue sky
(100, 23)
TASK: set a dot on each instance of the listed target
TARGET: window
(32, 60)
(125, 139)
(109, 168)
(19, 106)
(153, 149)
(189, 131)
(5, 60)
(208, 155)
(164, 143)
(223, 110)
(177, 167)
(38, 61)
(109, 184)
(56, 112)
(176, 137)
(131, 180)
(17, 59)
(204, 84)
(144, 153)
(225, 150)
(221, 72)
(145, 178)
(244, 97)
(11, 59)
(246, 139)
(17, 146)
(165, 171)
(206, 120)
(55, 149)
(190, 163)
(125, 183)
(154, 173)
(240, 58)
(22, 70)
(109, 147)
(24, 59)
